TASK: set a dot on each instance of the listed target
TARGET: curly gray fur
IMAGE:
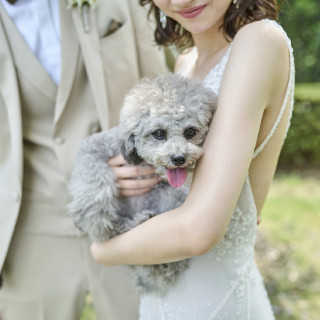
(170, 103)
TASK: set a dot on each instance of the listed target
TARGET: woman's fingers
(116, 161)
(138, 184)
(133, 192)
(118, 165)
(258, 220)
(133, 171)
(133, 180)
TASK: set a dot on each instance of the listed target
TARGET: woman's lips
(192, 12)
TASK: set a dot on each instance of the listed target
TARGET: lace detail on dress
(240, 235)
(237, 246)
(240, 288)
(289, 94)
(214, 77)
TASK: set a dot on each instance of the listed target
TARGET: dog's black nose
(178, 160)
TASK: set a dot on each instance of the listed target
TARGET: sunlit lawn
(288, 248)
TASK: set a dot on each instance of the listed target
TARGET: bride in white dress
(247, 59)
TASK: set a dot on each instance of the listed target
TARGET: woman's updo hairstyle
(237, 15)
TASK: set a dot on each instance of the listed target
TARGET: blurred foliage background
(301, 150)
(301, 20)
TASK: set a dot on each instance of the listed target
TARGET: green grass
(88, 311)
(308, 91)
(288, 248)
(293, 209)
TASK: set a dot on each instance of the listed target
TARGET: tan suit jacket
(114, 61)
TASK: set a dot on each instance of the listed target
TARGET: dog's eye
(190, 133)
(159, 134)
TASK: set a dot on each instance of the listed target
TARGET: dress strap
(289, 94)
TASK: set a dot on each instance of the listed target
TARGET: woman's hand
(133, 180)
(258, 220)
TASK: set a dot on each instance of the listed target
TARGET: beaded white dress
(224, 283)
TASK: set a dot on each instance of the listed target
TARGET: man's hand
(133, 180)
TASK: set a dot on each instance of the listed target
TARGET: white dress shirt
(38, 23)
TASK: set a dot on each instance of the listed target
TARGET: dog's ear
(129, 150)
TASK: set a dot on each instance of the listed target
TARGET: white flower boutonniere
(84, 6)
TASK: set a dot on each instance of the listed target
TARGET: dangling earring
(236, 3)
(163, 19)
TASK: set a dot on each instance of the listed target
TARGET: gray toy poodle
(163, 123)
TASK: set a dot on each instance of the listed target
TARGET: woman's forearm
(146, 243)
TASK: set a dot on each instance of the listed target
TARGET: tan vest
(42, 126)
(45, 177)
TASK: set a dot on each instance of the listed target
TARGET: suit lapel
(10, 93)
(90, 47)
(69, 58)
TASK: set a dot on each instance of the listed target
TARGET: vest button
(59, 140)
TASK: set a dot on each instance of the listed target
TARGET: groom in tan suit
(45, 262)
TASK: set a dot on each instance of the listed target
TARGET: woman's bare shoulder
(262, 47)
(267, 34)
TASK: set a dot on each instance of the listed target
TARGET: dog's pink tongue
(176, 177)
